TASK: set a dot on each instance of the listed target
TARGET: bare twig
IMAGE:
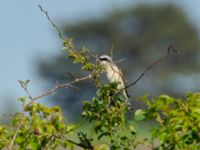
(70, 75)
(111, 52)
(95, 56)
(24, 86)
(170, 48)
(32, 99)
(58, 86)
(90, 147)
(80, 145)
(77, 126)
(16, 131)
(52, 23)
(121, 60)
(7, 115)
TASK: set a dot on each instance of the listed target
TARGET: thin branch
(58, 86)
(74, 87)
(16, 131)
(170, 48)
(77, 126)
(80, 145)
(70, 75)
(61, 137)
(95, 56)
(24, 86)
(52, 23)
(111, 52)
(121, 60)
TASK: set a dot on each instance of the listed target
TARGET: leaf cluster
(42, 128)
(178, 121)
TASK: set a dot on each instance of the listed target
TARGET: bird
(114, 74)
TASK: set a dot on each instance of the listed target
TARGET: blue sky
(26, 35)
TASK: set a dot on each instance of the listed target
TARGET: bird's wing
(121, 74)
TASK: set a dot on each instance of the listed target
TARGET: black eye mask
(104, 59)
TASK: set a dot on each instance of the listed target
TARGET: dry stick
(170, 48)
(119, 61)
(58, 86)
(111, 52)
(16, 130)
(18, 126)
(21, 115)
(70, 75)
(32, 99)
(52, 23)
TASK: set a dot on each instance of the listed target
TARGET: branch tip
(52, 23)
(170, 48)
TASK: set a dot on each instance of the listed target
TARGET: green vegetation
(113, 121)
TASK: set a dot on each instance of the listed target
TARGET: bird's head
(104, 59)
(106, 62)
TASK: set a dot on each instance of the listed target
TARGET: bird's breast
(113, 75)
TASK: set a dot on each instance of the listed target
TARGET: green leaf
(140, 115)
(84, 49)
(22, 99)
(103, 134)
(88, 66)
(77, 60)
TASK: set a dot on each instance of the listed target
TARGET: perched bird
(113, 73)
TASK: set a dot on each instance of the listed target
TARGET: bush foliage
(113, 121)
